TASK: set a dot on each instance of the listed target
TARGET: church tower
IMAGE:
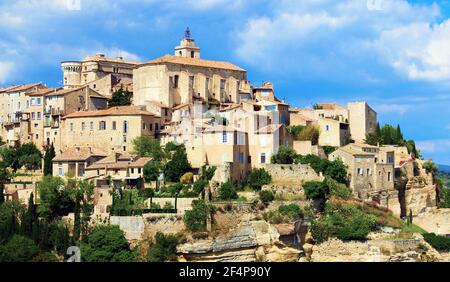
(187, 48)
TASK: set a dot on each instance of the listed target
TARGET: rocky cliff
(254, 241)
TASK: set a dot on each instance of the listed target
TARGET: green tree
(195, 219)
(164, 248)
(120, 98)
(337, 170)
(29, 156)
(309, 133)
(48, 157)
(18, 249)
(106, 243)
(55, 200)
(29, 219)
(147, 146)
(151, 172)
(227, 192)
(178, 163)
(266, 196)
(316, 190)
(258, 178)
(10, 214)
(285, 155)
(295, 130)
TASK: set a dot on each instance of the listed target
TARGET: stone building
(111, 130)
(93, 68)
(369, 171)
(73, 161)
(183, 77)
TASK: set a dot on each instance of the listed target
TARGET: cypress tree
(2, 193)
(29, 218)
(399, 135)
(49, 156)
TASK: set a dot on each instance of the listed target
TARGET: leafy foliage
(178, 163)
(195, 219)
(106, 243)
(26, 155)
(55, 200)
(258, 178)
(120, 98)
(285, 155)
(266, 196)
(18, 249)
(309, 133)
(227, 192)
(344, 221)
(164, 248)
(438, 242)
(151, 171)
(316, 190)
(147, 146)
(333, 169)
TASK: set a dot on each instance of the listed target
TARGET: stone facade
(295, 173)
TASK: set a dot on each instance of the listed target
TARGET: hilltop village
(185, 159)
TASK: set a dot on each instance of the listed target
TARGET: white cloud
(6, 69)
(393, 108)
(434, 146)
(332, 38)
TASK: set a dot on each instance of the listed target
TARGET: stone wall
(133, 226)
(183, 204)
(293, 174)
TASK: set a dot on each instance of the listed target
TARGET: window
(389, 176)
(102, 125)
(166, 112)
(124, 148)
(369, 171)
(83, 126)
(92, 126)
(144, 126)
(132, 170)
(360, 172)
(71, 126)
(33, 115)
(139, 170)
(156, 127)
(37, 136)
(192, 54)
(114, 125)
(36, 125)
(61, 171)
(327, 127)
(263, 158)
(151, 126)
(175, 81)
(224, 137)
(191, 82)
(125, 127)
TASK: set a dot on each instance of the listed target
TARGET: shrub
(321, 230)
(309, 133)
(438, 242)
(328, 149)
(187, 178)
(316, 190)
(167, 206)
(195, 219)
(430, 167)
(285, 155)
(227, 192)
(266, 196)
(200, 236)
(164, 248)
(338, 190)
(18, 249)
(291, 211)
(258, 178)
(337, 170)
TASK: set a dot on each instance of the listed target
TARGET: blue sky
(395, 54)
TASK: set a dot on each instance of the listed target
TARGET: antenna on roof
(187, 33)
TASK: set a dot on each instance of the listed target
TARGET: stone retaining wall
(293, 174)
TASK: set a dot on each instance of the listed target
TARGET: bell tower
(187, 48)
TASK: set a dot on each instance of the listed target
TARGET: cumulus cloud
(393, 108)
(434, 146)
(329, 38)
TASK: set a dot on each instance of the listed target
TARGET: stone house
(111, 130)
(369, 171)
(73, 161)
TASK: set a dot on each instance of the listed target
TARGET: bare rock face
(413, 250)
(255, 241)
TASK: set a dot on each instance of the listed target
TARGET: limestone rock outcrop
(255, 241)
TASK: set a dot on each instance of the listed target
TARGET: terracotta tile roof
(114, 111)
(271, 128)
(140, 162)
(303, 117)
(78, 154)
(168, 59)
(112, 163)
(42, 92)
(157, 103)
(5, 89)
(24, 87)
(92, 93)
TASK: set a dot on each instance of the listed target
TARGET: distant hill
(444, 168)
